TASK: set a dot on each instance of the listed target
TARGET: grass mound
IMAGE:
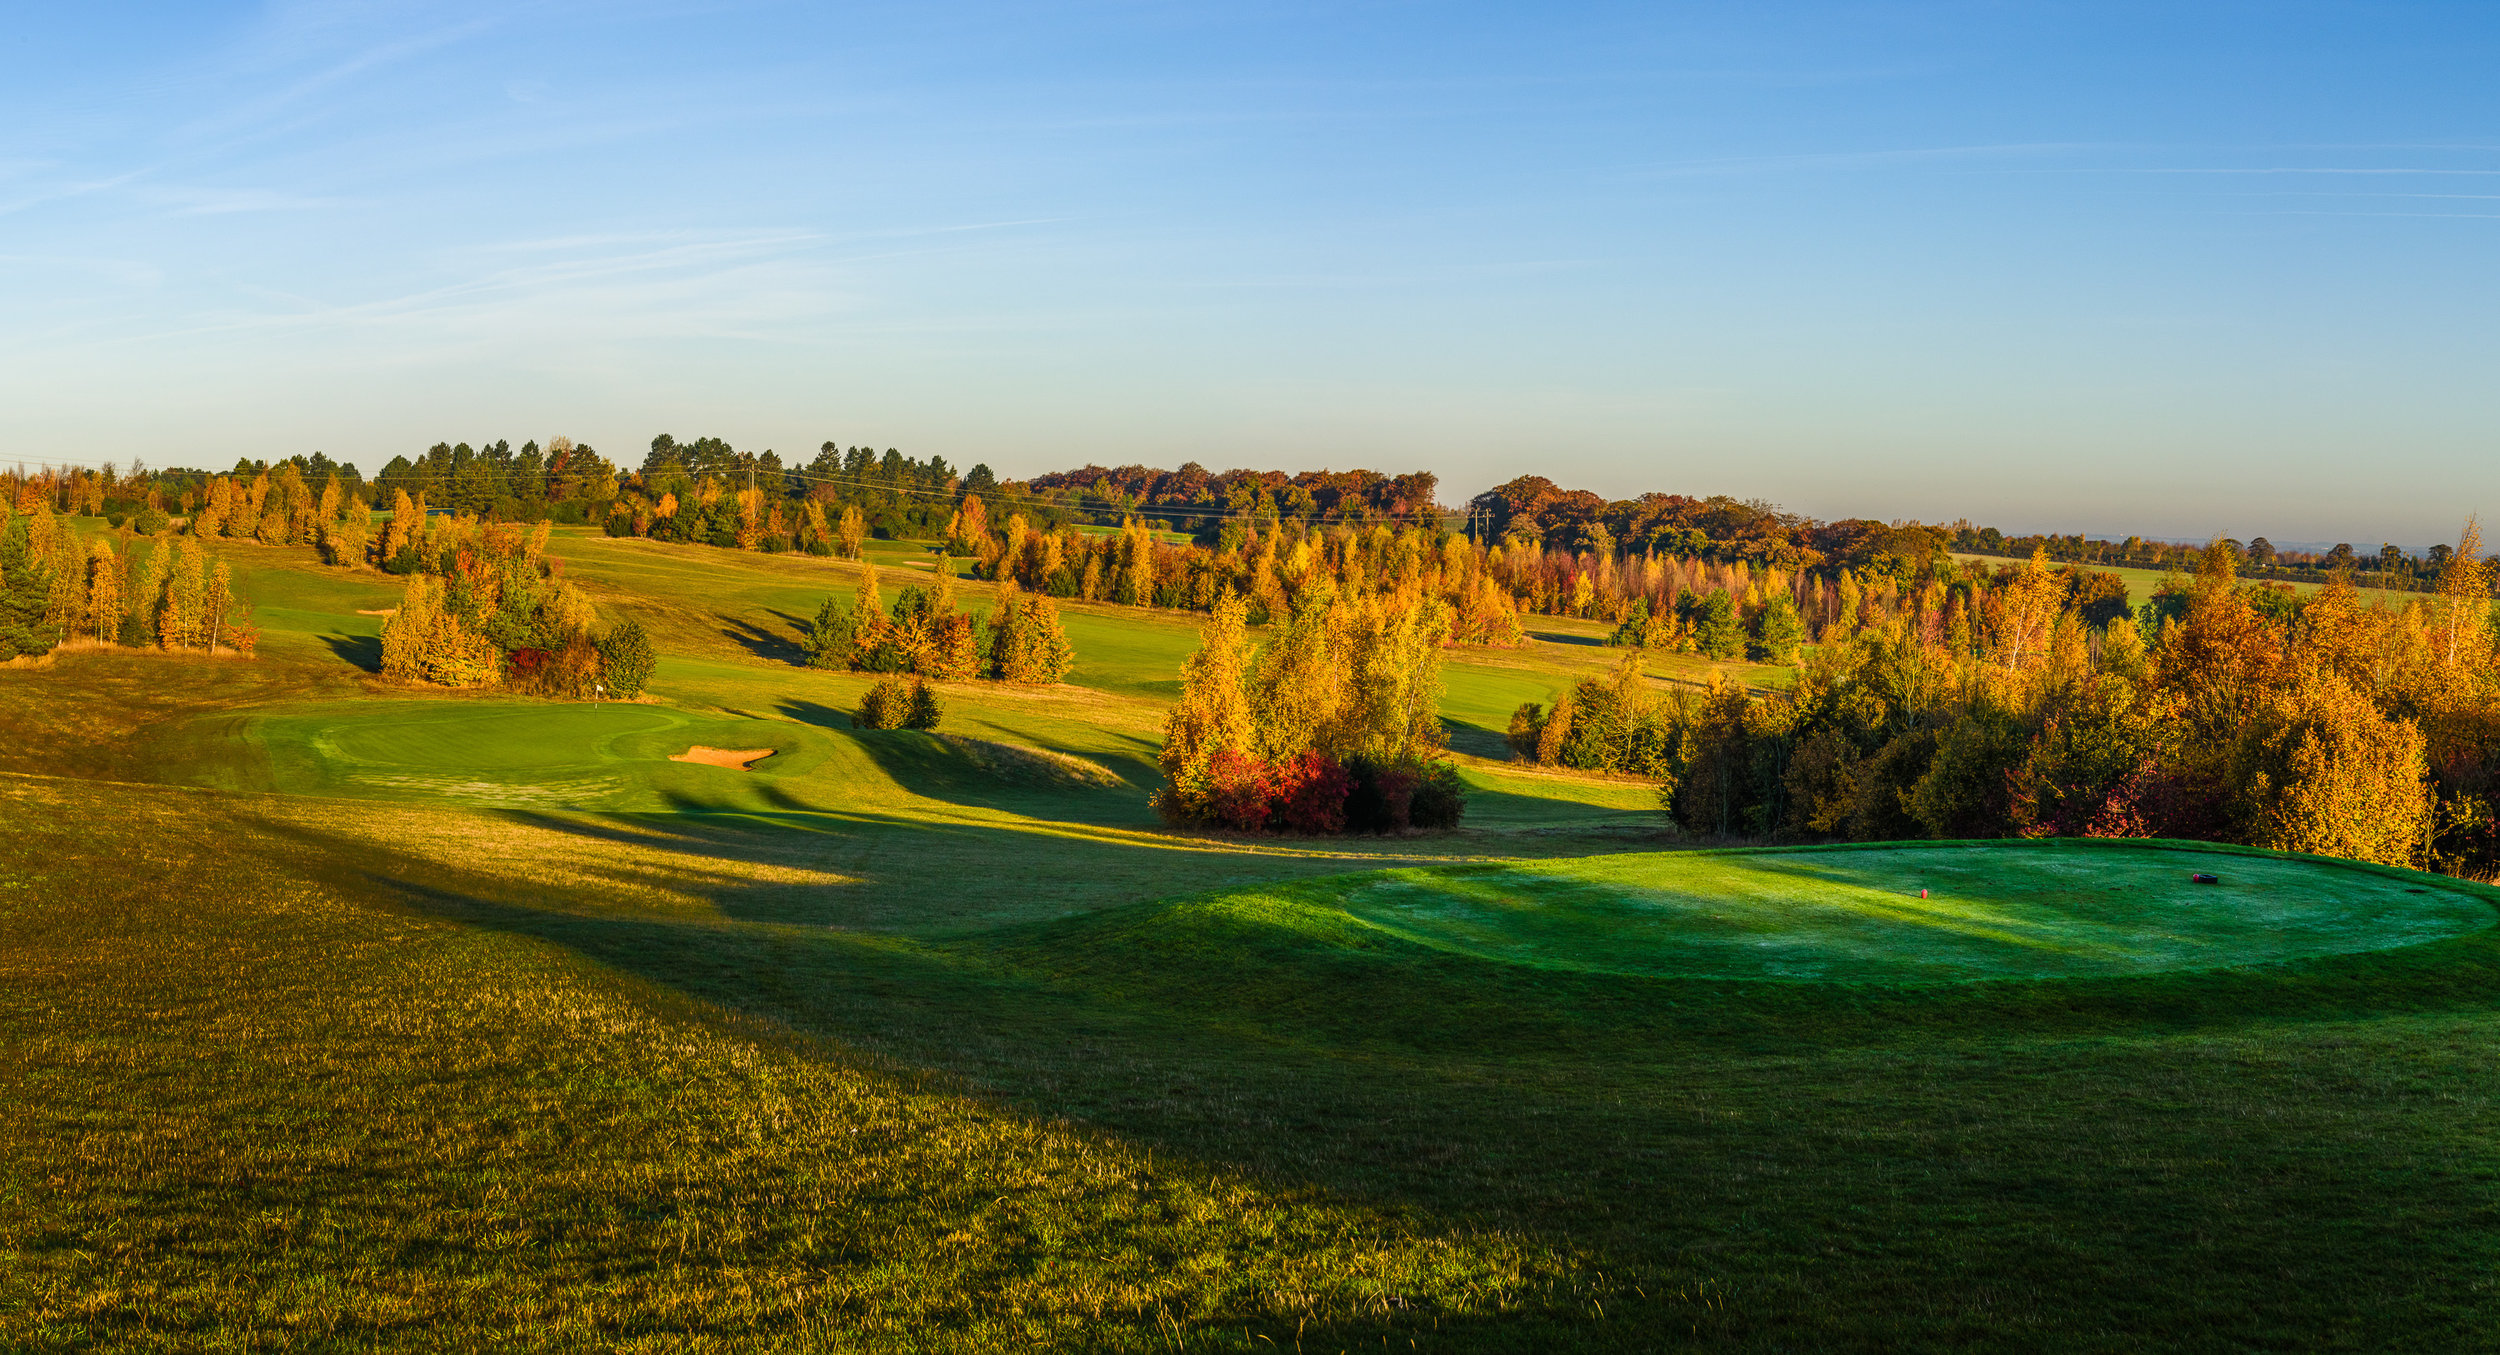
(1991, 911)
(1817, 916)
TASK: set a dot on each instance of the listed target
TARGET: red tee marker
(1922, 893)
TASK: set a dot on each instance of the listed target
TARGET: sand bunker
(744, 759)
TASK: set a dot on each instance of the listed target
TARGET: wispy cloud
(1867, 159)
(2296, 170)
(65, 191)
(226, 201)
(740, 285)
(127, 272)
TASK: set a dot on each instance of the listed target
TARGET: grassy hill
(339, 1015)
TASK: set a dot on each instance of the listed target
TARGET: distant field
(2143, 583)
(342, 1015)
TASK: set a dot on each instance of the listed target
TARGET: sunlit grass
(336, 1014)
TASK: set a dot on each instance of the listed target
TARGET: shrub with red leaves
(1237, 793)
(1308, 794)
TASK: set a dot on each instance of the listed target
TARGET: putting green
(514, 753)
(517, 754)
(2006, 910)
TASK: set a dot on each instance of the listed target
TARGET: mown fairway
(339, 1016)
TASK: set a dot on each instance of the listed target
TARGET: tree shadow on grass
(927, 766)
(1475, 740)
(1796, 1143)
(764, 642)
(940, 1030)
(815, 713)
(1564, 637)
(364, 651)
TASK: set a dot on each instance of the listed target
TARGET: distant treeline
(1533, 508)
(899, 497)
(2390, 566)
(1653, 562)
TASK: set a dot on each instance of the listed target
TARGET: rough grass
(891, 1044)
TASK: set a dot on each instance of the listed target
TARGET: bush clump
(896, 704)
(625, 658)
(1403, 795)
(1328, 729)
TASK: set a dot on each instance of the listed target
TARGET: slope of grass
(329, 1018)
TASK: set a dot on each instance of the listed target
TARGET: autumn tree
(427, 640)
(1212, 715)
(968, 532)
(1390, 650)
(2326, 772)
(181, 616)
(103, 619)
(1027, 643)
(2465, 595)
(145, 594)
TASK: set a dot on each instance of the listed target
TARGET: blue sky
(2178, 269)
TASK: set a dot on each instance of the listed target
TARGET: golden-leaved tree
(2328, 773)
(1212, 715)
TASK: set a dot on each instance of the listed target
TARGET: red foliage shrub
(1308, 794)
(1305, 793)
(1237, 792)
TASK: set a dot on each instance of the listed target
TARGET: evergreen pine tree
(1777, 630)
(626, 659)
(25, 595)
(1716, 631)
(1633, 630)
(886, 705)
(832, 639)
(925, 710)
